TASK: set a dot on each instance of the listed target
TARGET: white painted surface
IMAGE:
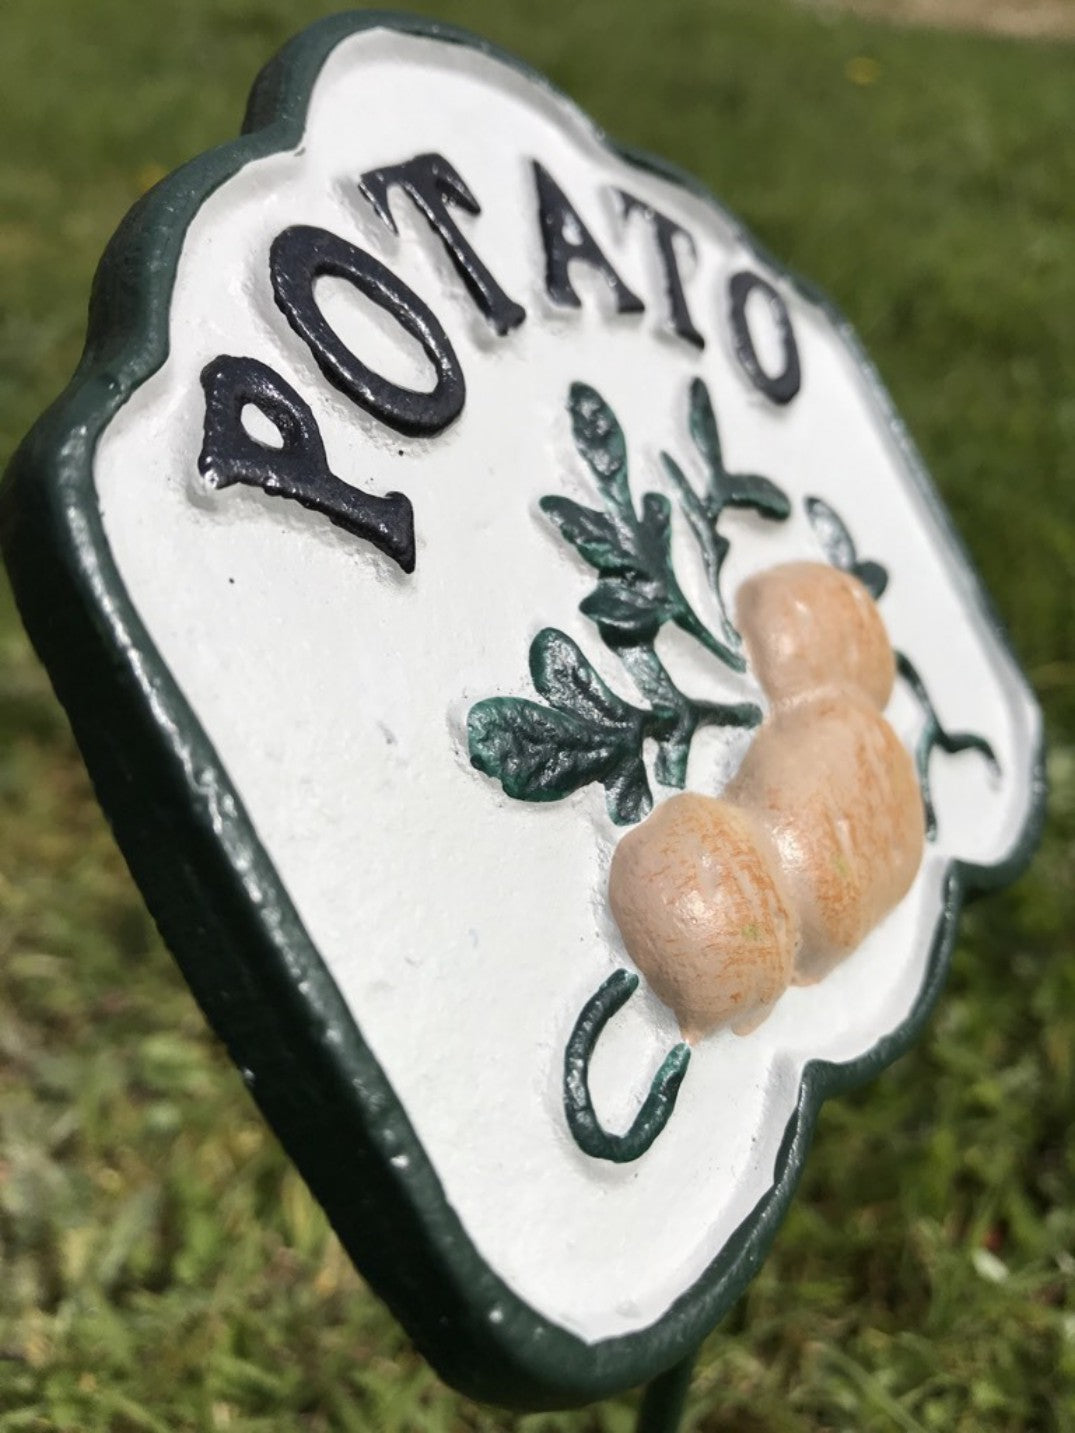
(464, 929)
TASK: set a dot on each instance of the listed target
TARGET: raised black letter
(297, 469)
(665, 231)
(433, 184)
(783, 386)
(567, 239)
(301, 255)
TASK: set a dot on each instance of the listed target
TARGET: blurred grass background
(161, 1268)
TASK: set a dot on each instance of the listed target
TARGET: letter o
(299, 257)
(783, 386)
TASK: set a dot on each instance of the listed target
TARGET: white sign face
(453, 514)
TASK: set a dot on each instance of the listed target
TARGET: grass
(161, 1268)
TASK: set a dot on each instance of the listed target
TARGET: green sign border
(214, 893)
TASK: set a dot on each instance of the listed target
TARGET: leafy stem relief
(587, 733)
(637, 591)
(722, 490)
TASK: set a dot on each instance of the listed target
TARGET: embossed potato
(831, 783)
(702, 913)
(807, 625)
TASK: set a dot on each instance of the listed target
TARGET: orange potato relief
(724, 902)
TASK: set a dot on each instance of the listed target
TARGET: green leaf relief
(702, 422)
(836, 543)
(832, 533)
(590, 533)
(750, 490)
(626, 613)
(564, 677)
(637, 591)
(722, 490)
(586, 734)
(599, 439)
(536, 752)
(712, 545)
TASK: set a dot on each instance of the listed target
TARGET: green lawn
(160, 1266)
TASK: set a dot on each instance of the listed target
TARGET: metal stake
(665, 1398)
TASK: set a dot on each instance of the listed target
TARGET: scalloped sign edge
(212, 890)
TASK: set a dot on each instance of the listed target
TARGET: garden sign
(533, 681)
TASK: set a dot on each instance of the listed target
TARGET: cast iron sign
(533, 681)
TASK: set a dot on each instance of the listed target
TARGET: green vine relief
(586, 732)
